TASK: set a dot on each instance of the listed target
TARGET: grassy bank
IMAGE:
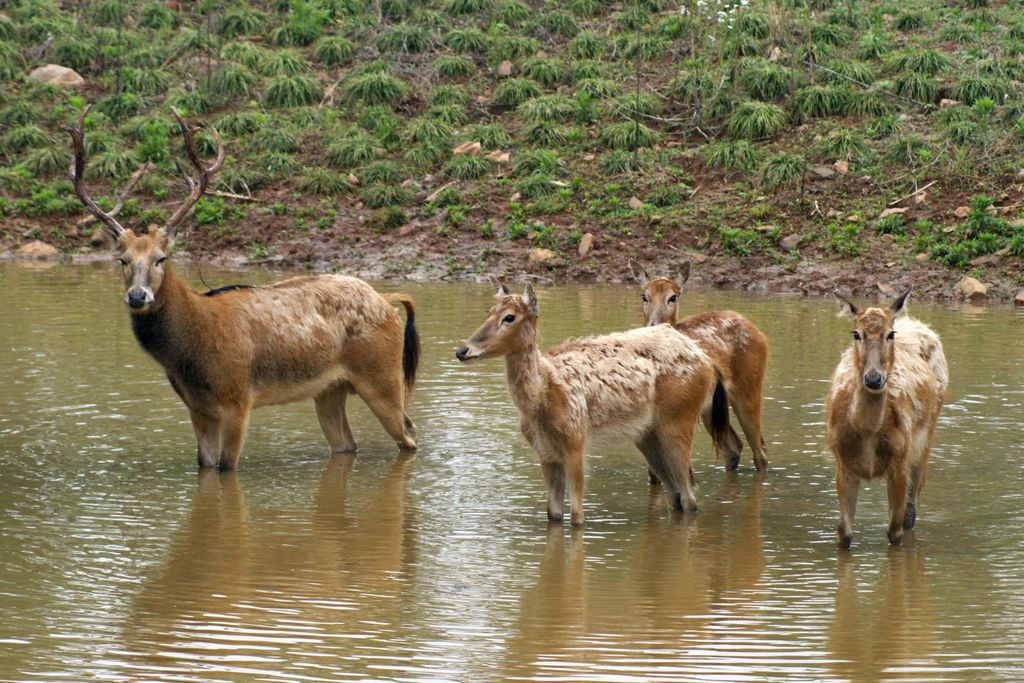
(770, 137)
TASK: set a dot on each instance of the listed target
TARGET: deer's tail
(410, 342)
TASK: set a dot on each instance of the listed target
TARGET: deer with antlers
(737, 348)
(239, 347)
(649, 384)
(881, 410)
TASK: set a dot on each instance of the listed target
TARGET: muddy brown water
(119, 562)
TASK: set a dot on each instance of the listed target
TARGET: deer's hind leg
(732, 448)
(333, 418)
(554, 478)
(385, 398)
(746, 404)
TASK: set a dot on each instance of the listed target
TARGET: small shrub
(865, 103)
(598, 88)
(468, 167)
(405, 38)
(381, 172)
(544, 70)
(547, 133)
(916, 86)
(73, 53)
(451, 114)
(890, 225)
(233, 80)
(547, 107)
(333, 50)
(467, 7)
(374, 88)
(515, 91)
(114, 164)
(490, 135)
(29, 136)
(240, 123)
(873, 45)
(248, 54)
(353, 150)
(447, 94)
(884, 126)
(322, 181)
(969, 89)
(274, 138)
(732, 156)
(536, 185)
(240, 20)
(467, 40)
(620, 161)
(830, 34)
(46, 161)
(559, 23)
(426, 154)
(586, 45)
(909, 21)
(739, 241)
(537, 161)
(629, 135)
(764, 80)
(381, 195)
(512, 12)
(818, 100)
(780, 170)
(292, 91)
(753, 120)
(454, 66)
(843, 143)
(927, 62)
(428, 131)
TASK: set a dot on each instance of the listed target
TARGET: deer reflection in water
(241, 583)
(681, 576)
(884, 627)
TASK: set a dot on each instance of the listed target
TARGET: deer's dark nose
(873, 380)
(462, 352)
(136, 298)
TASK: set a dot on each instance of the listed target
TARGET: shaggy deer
(882, 407)
(236, 348)
(649, 384)
(738, 349)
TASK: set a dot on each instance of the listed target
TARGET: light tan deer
(236, 348)
(649, 384)
(737, 348)
(882, 408)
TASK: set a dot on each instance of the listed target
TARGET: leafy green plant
(240, 123)
(274, 138)
(454, 66)
(374, 87)
(233, 80)
(544, 70)
(916, 86)
(466, 40)
(629, 135)
(752, 120)
(620, 161)
(764, 80)
(333, 50)
(73, 53)
(732, 156)
(241, 19)
(971, 88)
(114, 163)
(381, 195)
(536, 185)
(547, 108)
(29, 136)
(468, 167)
(739, 241)
(405, 38)
(515, 91)
(586, 45)
(780, 170)
(353, 150)
(490, 135)
(291, 91)
(322, 181)
(818, 100)
(844, 143)
(927, 62)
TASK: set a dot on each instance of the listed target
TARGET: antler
(114, 228)
(198, 186)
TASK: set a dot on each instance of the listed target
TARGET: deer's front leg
(207, 431)
(847, 489)
(233, 423)
(554, 477)
(574, 472)
(897, 489)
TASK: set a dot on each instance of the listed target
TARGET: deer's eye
(509, 319)
(124, 261)
(644, 297)
(160, 261)
(672, 299)
(891, 335)
(856, 335)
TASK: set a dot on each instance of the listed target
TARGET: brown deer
(737, 348)
(239, 347)
(649, 384)
(881, 410)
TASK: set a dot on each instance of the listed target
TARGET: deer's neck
(164, 330)
(867, 412)
(526, 372)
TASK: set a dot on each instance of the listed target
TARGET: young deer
(882, 407)
(738, 349)
(236, 348)
(649, 384)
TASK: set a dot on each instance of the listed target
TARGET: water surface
(119, 562)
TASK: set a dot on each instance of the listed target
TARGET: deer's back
(734, 343)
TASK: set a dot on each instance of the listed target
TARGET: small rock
(986, 260)
(946, 102)
(886, 238)
(698, 258)
(471, 148)
(1018, 300)
(499, 157)
(789, 243)
(886, 289)
(515, 197)
(920, 198)
(589, 157)
(900, 210)
(55, 74)
(505, 68)
(655, 218)
(635, 203)
(539, 255)
(775, 54)
(961, 211)
(822, 172)
(764, 228)
(853, 218)
(586, 244)
(972, 288)
(99, 238)
(37, 251)
(353, 179)
(842, 167)
(921, 257)
(864, 180)
(1020, 174)
(405, 230)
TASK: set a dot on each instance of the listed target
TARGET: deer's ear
(899, 305)
(846, 307)
(530, 299)
(500, 289)
(683, 275)
(639, 274)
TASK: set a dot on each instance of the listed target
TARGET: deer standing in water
(881, 410)
(650, 384)
(737, 348)
(236, 348)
